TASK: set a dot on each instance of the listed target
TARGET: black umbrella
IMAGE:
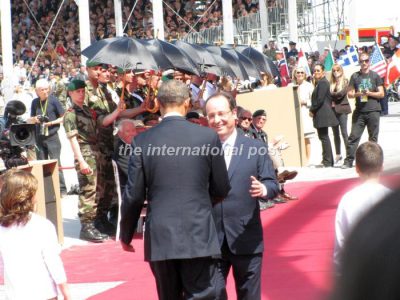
(251, 68)
(208, 62)
(169, 56)
(124, 52)
(237, 67)
(198, 54)
(262, 62)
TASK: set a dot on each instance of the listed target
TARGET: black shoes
(91, 234)
(346, 165)
(104, 226)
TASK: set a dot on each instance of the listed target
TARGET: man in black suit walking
(251, 176)
(178, 167)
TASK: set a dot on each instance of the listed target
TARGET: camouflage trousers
(106, 192)
(87, 205)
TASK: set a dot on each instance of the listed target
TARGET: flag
(349, 58)
(378, 62)
(329, 61)
(284, 71)
(302, 63)
(393, 69)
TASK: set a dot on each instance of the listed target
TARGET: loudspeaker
(22, 135)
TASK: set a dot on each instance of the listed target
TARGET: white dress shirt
(228, 147)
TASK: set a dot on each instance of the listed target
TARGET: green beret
(260, 112)
(76, 84)
(91, 64)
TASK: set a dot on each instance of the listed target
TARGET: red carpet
(297, 257)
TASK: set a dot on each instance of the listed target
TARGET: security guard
(80, 127)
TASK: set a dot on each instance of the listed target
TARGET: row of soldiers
(109, 94)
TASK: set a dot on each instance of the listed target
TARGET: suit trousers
(246, 272)
(186, 279)
(327, 156)
(49, 147)
(361, 120)
(342, 118)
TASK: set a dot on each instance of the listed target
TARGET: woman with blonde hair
(341, 107)
(304, 92)
(28, 243)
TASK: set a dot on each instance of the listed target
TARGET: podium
(48, 192)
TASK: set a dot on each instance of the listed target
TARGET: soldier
(80, 127)
(132, 100)
(107, 112)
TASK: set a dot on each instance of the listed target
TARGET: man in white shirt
(358, 201)
(237, 218)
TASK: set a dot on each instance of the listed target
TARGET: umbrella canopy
(198, 54)
(208, 62)
(169, 56)
(237, 67)
(124, 52)
(262, 62)
(251, 68)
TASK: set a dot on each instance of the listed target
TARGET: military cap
(260, 112)
(91, 64)
(292, 43)
(76, 84)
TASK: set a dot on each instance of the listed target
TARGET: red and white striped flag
(378, 62)
(393, 69)
(303, 63)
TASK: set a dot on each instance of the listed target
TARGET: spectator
(293, 52)
(322, 114)
(47, 113)
(267, 82)
(341, 106)
(355, 203)
(29, 248)
(367, 87)
(370, 259)
(304, 93)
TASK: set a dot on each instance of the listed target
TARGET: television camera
(16, 135)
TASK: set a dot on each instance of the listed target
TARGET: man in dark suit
(251, 176)
(178, 167)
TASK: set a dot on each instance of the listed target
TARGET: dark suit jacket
(179, 190)
(238, 216)
(321, 105)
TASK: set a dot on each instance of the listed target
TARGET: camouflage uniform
(60, 92)
(101, 101)
(81, 122)
(129, 99)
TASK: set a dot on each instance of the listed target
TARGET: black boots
(104, 226)
(91, 234)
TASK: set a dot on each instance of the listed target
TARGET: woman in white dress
(28, 243)
(304, 92)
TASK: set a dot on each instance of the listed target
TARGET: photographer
(47, 113)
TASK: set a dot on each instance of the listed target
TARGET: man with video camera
(47, 113)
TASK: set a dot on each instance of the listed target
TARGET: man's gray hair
(122, 122)
(42, 83)
(173, 92)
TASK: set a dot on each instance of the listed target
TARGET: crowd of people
(60, 55)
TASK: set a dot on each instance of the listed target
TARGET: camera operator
(47, 113)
